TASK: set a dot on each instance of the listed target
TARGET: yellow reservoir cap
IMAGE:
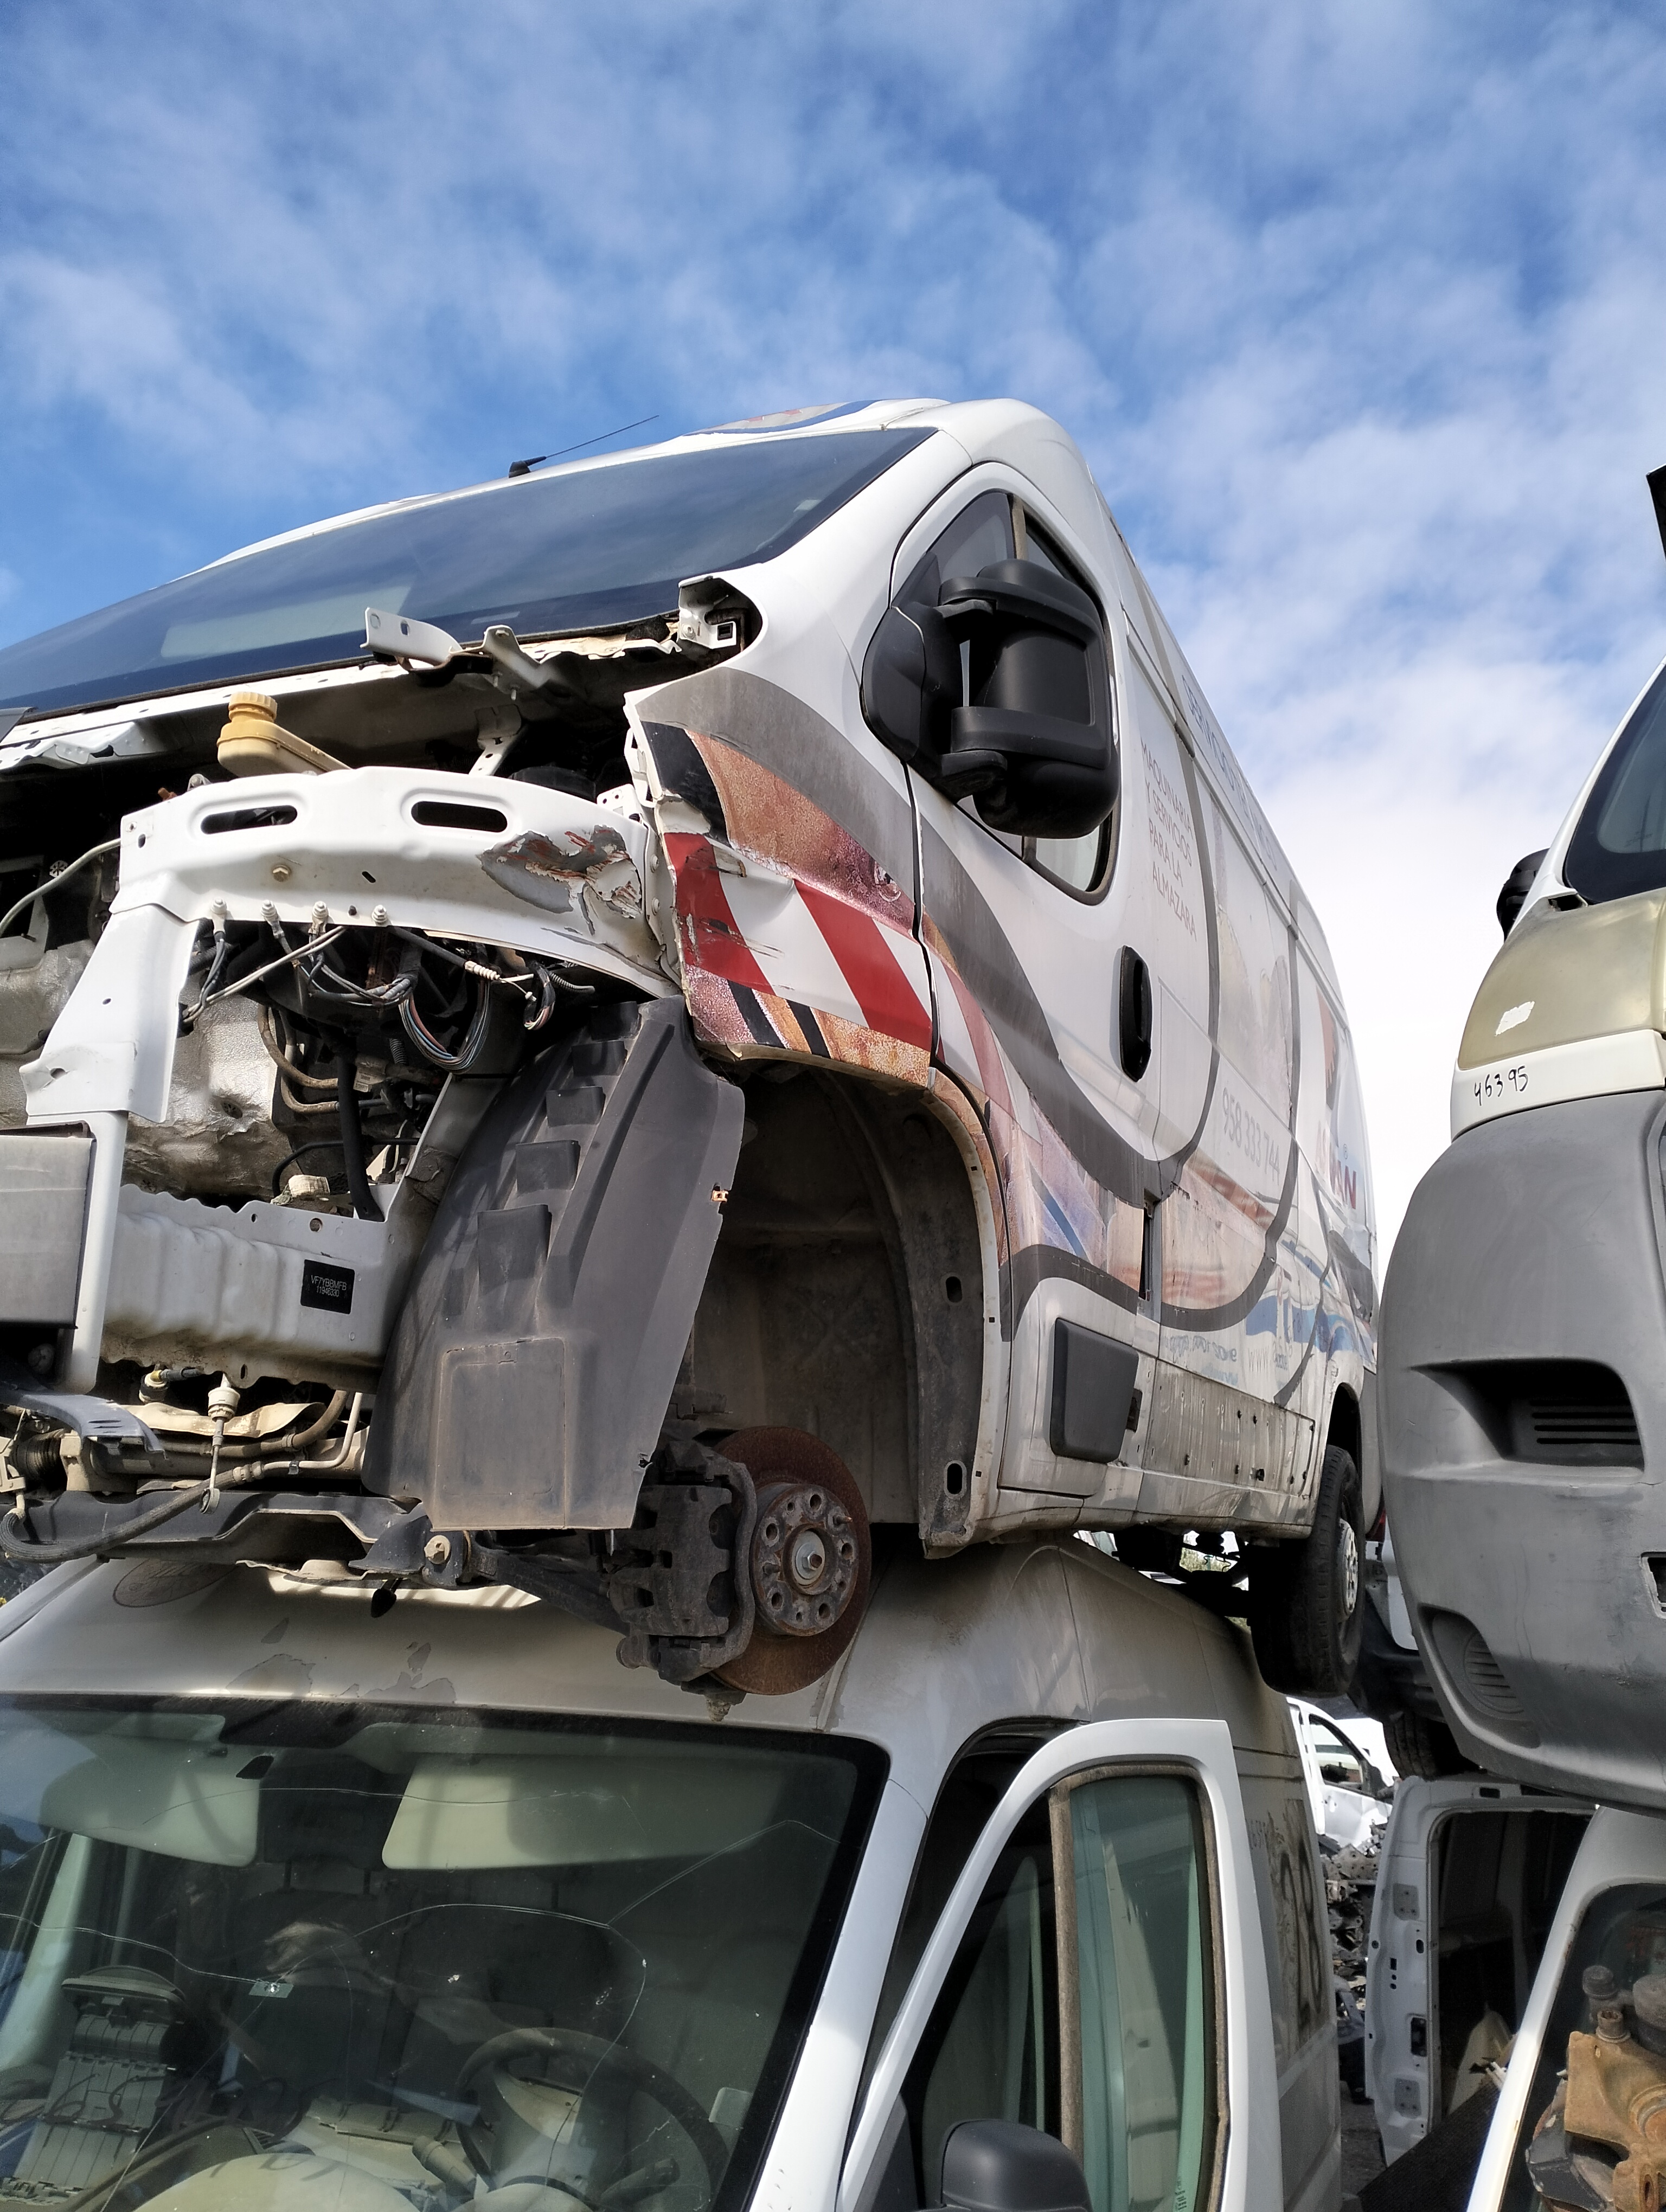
(254, 743)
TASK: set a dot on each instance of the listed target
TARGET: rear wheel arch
(1345, 1428)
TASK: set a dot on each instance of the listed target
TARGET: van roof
(1052, 1630)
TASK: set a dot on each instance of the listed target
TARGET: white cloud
(1357, 312)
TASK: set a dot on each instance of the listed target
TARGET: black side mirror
(999, 2165)
(1517, 886)
(911, 682)
(1002, 691)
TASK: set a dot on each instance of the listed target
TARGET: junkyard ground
(1362, 2147)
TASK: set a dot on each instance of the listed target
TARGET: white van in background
(1350, 1791)
(1469, 1881)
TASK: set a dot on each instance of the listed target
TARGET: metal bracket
(96, 1420)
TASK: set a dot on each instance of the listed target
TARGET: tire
(1422, 1747)
(1150, 1551)
(1307, 1601)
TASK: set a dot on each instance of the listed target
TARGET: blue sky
(1359, 312)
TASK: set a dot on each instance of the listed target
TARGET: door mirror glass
(911, 682)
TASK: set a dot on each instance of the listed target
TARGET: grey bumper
(1536, 1238)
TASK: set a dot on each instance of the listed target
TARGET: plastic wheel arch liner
(538, 1348)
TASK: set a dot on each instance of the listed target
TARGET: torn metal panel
(412, 846)
(793, 939)
(595, 866)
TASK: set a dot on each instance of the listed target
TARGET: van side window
(980, 534)
(1339, 1763)
(975, 1785)
(1082, 1998)
(991, 2051)
(1143, 1988)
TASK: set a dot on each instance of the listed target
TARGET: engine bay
(268, 958)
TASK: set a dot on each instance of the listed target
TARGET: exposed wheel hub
(810, 1556)
(805, 1556)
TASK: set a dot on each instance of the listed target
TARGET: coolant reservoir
(254, 743)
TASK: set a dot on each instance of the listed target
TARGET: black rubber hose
(85, 1547)
(352, 1139)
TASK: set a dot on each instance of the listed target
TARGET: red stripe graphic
(710, 938)
(870, 967)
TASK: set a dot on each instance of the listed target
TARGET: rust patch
(858, 1046)
(953, 1100)
(770, 821)
(717, 1018)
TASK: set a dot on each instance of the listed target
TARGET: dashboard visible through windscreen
(309, 1955)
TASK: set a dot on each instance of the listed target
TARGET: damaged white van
(611, 1033)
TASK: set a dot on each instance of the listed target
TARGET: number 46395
(1501, 1082)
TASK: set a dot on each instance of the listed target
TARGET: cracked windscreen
(316, 1955)
(589, 548)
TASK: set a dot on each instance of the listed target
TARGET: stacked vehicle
(1523, 1429)
(694, 1057)
(399, 1053)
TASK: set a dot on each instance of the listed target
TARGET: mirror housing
(910, 681)
(1517, 886)
(1000, 2166)
(1002, 692)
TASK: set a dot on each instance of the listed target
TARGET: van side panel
(1290, 1892)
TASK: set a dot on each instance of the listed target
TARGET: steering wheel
(602, 2058)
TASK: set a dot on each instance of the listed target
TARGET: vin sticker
(326, 1286)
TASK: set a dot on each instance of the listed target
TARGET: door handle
(1133, 1014)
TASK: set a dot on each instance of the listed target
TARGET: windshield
(347, 1957)
(586, 549)
(1619, 845)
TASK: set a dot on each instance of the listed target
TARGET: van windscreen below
(1619, 845)
(372, 1956)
